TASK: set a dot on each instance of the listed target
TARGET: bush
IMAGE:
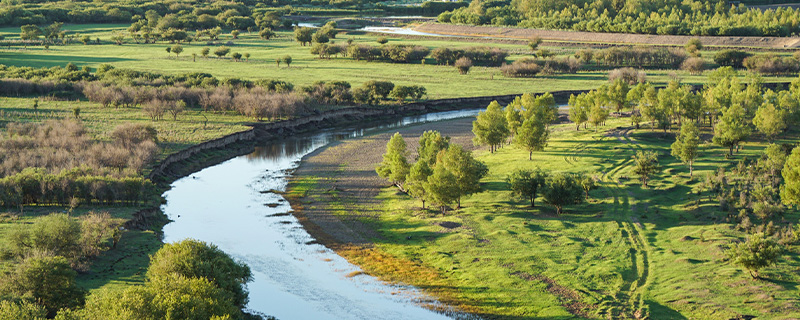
(629, 75)
(731, 58)
(771, 64)
(521, 69)
(483, 56)
(403, 92)
(404, 53)
(47, 280)
(693, 65)
(640, 57)
(463, 65)
(131, 134)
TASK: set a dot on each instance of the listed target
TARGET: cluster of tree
(442, 174)
(45, 255)
(185, 280)
(479, 56)
(771, 64)
(665, 17)
(595, 106)
(558, 189)
(397, 53)
(525, 121)
(70, 72)
(634, 57)
(529, 68)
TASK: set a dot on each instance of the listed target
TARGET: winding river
(231, 205)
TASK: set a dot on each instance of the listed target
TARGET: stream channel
(230, 205)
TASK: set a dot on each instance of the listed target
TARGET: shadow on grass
(50, 60)
(662, 312)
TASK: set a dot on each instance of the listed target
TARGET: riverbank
(624, 254)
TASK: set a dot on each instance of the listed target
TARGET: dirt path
(602, 38)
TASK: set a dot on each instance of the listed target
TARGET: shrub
(731, 58)
(771, 64)
(463, 65)
(629, 75)
(693, 65)
(521, 69)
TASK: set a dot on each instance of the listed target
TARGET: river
(231, 205)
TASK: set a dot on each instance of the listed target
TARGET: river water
(231, 206)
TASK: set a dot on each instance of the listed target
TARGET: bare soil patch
(603, 38)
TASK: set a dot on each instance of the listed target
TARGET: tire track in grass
(629, 300)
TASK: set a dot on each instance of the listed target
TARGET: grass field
(306, 68)
(629, 248)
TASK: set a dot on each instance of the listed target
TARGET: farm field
(628, 249)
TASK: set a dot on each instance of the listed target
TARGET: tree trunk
(530, 155)
(532, 199)
(691, 170)
(730, 153)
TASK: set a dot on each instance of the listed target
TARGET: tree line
(663, 17)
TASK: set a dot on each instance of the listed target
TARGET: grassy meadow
(627, 249)
(306, 68)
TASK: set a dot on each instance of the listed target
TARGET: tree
(686, 144)
(773, 160)
(382, 40)
(236, 56)
(578, 110)
(534, 43)
(246, 56)
(177, 49)
(442, 187)
(30, 32)
(527, 183)
(430, 144)
(513, 119)
(532, 136)
(417, 180)
(597, 115)
(759, 251)
(196, 259)
(617, 94)
(693, 47)
(490, 127)
(543, 107)
(790, 190)
(303, 35)
(266, 33)
(204, 52)
(287, 59)
(22, 310)
(48, 281)
(463, 65)
(467, 170)
(394, 166)
(222, 51)
(235, 34)
(319, 37)
(770, 120)
(176, 108)
(169, 297)
(562, 189)
(379, 88)
(646, 165)
(732, 128)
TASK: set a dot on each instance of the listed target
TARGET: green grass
(441, 81)
(620, 252)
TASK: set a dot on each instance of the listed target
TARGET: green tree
(303, 35)
(266, 33)
(222, 51)
(287, 59)
(195, 259)
(46, 280)
(732, 128)
(532, 136)
(395, 162)
(686, 145)
(23, 310)
(758, 252)
(442, 188)
(770, 120)
(30, 32)
(490, 127)
(562, 189)
(578, 110)
(597, 115)
(790, 190)
(204, 52)
(542, 106)
(773, 160)
(693, 47)
(55, 233)
(177, 49)
(467, 170)
(236, 56)
(534, 43)
(527, 183)
(379, 88)
(513, 119)
(417, 180)
(646, 165)
(430, 144)
(617, 93)
(169, 297)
